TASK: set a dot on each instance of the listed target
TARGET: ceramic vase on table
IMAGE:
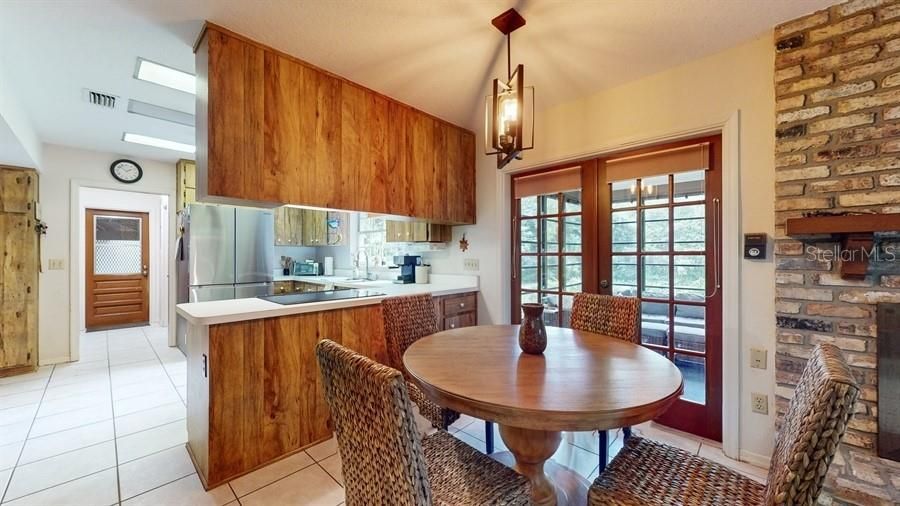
(532, 333)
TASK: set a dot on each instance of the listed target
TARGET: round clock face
(126, 171)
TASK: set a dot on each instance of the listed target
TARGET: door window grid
(645, 224)
(549, 249)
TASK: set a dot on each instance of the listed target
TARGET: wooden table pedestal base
(530, 451)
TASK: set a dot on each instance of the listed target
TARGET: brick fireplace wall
(837, 149)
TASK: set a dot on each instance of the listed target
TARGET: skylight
(156, 142)
(165, 76)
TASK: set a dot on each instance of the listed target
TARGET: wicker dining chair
(385, 460)
(613, 316)
(651, 473)
(406, 320)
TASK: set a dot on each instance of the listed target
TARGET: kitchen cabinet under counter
(254, 394)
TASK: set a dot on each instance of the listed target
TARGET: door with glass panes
(660, 242)
(548, 254)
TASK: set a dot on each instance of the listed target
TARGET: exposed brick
(789, 190)
(843, 90)
(790, 338)
(801, 24)
(788, 278)
(819, 294)
(851, 120)
(890, 281)
(845, 26)
(869, 69)
(874, 100)
(790, 132)
(804, 84)
(874, 165)
(831, 279)
(802, 55)
(804, 203)
(891, 80)
(869, 297)
(844, 343)
(804, 173)
(867, 361)
(788, 73)
(838, 310)
(792, 42)
(788, 248)
(788, 160)
(870, 133)
(864, 425)
(802, 264)
(787, 322)
(874, 34)
(892, 112)
(842, 60)
(857, 329)
(892, 46)
(787, 307)
(841, 185)
(845, 152)
(889, 12)
(855, 6)
(787, 146)
(790, 103)
(872, 198)
(803, 114)
(892, 179)
(891, 146)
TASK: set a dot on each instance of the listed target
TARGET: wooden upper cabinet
(273, 129)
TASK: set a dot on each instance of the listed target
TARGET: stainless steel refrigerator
(224, 252)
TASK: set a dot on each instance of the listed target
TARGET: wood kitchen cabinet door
(289, 125)
(364, 148)
(443, 139)
(315, 228)
(421, 164)
(288, 226)
(327, 183)
(230, 120)
(460, 176)
(399, 191)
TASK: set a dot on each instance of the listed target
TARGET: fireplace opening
(889, 381)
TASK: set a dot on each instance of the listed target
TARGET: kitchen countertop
(235, 310)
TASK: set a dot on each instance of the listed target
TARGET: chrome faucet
(365, 256)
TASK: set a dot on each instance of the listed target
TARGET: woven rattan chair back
(380, 447)
(406, 320)
(815, 422)
(609, 315)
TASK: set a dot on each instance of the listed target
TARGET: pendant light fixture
(509, 110)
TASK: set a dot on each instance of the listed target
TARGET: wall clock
(126, 171)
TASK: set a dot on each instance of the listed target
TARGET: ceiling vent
(100, 99)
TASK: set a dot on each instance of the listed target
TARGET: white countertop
(235, 310)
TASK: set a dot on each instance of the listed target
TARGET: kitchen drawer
(456, 304)
(459, 321)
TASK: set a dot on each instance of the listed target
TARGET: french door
(660, 241)
(642, 224)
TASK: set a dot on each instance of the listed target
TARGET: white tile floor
(110, 429)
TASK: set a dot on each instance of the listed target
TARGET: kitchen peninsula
(254, 393)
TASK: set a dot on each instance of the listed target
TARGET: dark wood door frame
(596, 240)
(117, 284)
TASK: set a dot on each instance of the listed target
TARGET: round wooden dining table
(582, 382)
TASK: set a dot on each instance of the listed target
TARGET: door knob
(604, 284)
(144, 271)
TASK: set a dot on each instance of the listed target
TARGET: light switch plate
(56, 264)
(470, 264)
(759, 403)
(758, 358)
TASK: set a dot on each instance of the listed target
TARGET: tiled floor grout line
(275, 481)
(192, 473)
(112, 407)
(164, 365)
(60, 484)
(329, 474)
(12, 473)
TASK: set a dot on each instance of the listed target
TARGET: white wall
(687, 98)
(61, 168)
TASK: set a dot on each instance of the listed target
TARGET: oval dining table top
(582, 381)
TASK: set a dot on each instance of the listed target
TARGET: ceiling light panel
(159, 112)
(156, 142)
(165, 76)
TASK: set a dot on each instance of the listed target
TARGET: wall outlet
(470, 264)
(759, 403)
(56, 264)
(757, 358)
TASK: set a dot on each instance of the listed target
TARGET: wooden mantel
(855, 231)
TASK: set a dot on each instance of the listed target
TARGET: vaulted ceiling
(436, 55)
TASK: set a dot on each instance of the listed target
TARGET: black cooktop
(304, 298)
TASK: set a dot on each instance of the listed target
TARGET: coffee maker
(407, 265)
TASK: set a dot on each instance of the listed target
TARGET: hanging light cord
(716, 212)
(509, 56)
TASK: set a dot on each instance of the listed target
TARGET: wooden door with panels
(117, 269)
